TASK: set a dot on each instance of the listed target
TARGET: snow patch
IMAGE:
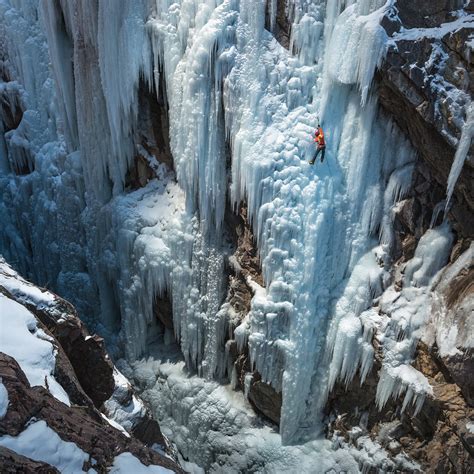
(23, 290)
(21, 339)
(40, 443)
(127, 463)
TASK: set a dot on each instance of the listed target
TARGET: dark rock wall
(152, 137)
(425, 84)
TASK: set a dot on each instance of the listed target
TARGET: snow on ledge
(40, 443)
(128, 463)
(30, 346)
(25, 291)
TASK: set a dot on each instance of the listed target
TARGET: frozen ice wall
(242, 110)
(41, 184)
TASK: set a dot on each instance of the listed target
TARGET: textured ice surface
(215, 426)
(229, 86)
(3, 400)
(461, 153)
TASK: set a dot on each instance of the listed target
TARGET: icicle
(357, 46)
(461, 154)
(403, 379)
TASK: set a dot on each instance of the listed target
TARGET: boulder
(265, 399)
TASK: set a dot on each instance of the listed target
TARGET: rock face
(427, 13)
(153, 137)
(425, 84)
(87, 355)
(95, 389)
(281, 27)
(13, 463)
(245, 267)
(437, 437)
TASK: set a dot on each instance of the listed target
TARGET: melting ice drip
(324, 232)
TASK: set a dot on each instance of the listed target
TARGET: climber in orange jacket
(319, 139)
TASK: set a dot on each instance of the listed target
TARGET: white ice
(462, 152)
(3, 400)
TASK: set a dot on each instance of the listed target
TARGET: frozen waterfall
(242, 110)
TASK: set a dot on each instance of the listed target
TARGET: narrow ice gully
(234, 93)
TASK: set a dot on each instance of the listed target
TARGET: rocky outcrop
(100, 398)
(82, 425)
(452, 321)
(425, 84)
(265, 399)
(439, 437)
(278, 22)
(86, 353)
(152, 135)
(245, 265)
(13, 463)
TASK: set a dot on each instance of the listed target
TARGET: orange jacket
(319, 137)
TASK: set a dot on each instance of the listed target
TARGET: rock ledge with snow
(64, 407)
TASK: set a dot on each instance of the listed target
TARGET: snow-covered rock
(426, 85)
(46, 413)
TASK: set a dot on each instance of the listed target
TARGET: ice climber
(319, 139)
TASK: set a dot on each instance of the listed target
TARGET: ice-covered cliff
(154, 170)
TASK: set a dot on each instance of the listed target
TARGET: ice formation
(461, 153)
(409, 311)
(241, 110)
(3, 400)
(451, 328)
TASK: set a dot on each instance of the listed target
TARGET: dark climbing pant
(323, 150)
